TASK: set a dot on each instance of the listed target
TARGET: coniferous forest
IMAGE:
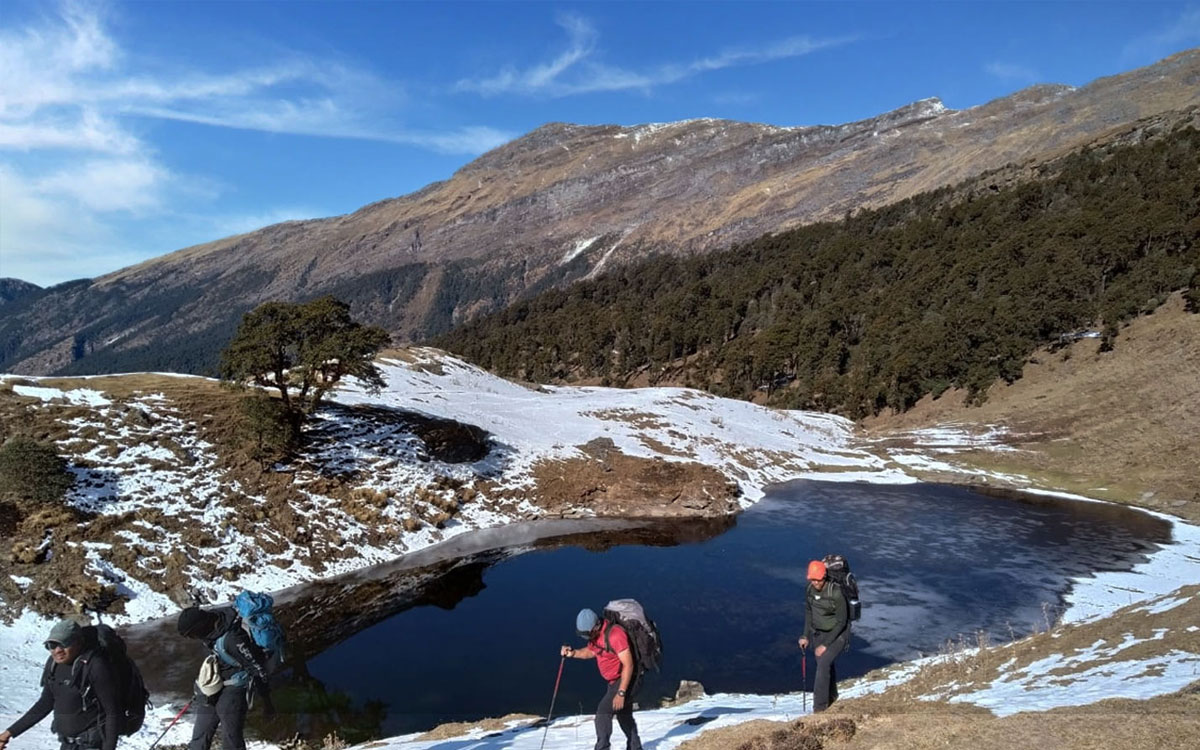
(955, 287)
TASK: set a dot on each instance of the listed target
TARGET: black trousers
(229, 714)
(604, 719)
(825, 681)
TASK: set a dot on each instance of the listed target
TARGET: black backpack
(645, 642)
(837, 569)
(132, 696)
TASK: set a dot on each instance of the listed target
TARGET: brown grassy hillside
(1119, 425)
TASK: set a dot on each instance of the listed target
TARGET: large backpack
(644, 639)
(838, 571)
(132, 696)
(256, 613)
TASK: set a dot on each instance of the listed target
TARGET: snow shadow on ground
(351, 437)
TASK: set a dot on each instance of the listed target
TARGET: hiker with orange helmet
(827, 627)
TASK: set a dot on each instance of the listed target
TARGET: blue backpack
(258, 620)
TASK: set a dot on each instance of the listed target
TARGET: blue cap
(585, 621)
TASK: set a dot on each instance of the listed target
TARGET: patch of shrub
(33, 471)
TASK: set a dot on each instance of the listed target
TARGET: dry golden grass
(897, 718)
(1119, 426)
(1171, 723)
(457, 729)
(802, 734)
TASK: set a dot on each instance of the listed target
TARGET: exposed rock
(688, 690)
(620, 485)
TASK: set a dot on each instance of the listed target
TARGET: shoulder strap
(608, 627)
(47, 671)
(221, 652)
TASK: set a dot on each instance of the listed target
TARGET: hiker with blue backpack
(245, 644)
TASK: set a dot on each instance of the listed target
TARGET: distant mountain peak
(12, 290)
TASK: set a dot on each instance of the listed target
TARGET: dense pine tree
(954, 287)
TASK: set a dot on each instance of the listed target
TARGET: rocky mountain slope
(563, 203)
(12, 290)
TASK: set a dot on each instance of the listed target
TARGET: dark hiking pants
(604, 718)
(825, 685)
(229, 714)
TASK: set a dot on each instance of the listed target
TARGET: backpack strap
(608, 626)
(238, 678)
(47, 671)
(83, 679)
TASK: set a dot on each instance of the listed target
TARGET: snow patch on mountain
(580, 246)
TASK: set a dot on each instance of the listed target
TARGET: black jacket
(826, 613)
(84, 698)
(251, 660)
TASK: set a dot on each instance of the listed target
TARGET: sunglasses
(53, 645)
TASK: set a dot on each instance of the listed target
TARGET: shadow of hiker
(693, 724)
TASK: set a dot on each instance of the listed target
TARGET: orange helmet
(816, 571)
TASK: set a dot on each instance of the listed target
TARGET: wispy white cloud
(43, 232)
(1013, 72)
(226, 226)
(107, 184)
(75, 160)
(1179, 33)
(68, 85)
(576, 70)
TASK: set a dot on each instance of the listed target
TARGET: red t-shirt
(608, 662)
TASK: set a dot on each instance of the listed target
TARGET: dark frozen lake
(934, 563)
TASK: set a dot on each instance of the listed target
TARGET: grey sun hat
(585, 621)
(66, 632)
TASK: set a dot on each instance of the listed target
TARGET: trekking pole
(554, 697)
(177, 718)
(804, 677)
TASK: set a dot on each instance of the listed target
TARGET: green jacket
(825, 611)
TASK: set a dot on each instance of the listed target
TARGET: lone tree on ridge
(303, 350)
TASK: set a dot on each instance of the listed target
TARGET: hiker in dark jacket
(242, 668)
(608, 644)
(827, 627)
(78, 685)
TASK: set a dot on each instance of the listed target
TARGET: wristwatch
(621, 693)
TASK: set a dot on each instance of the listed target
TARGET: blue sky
(128, 130)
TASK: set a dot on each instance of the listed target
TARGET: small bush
(33, 471)
(267, 428)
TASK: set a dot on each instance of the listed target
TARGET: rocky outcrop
(12, 290)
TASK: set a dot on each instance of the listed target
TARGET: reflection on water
(933, 562)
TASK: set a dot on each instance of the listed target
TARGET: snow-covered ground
(169, 468)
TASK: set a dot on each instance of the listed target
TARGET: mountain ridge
(505, 224)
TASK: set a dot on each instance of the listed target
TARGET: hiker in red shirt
(608, 644)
